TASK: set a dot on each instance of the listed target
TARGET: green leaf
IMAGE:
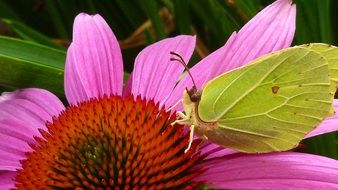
(248, 7)
(30, 34)
(325, 145)
(56, 17)
(27, 64)
(314, 21)
(7, 12)
(152, 9)
(182, 16)
(218, 21)
(131, 12)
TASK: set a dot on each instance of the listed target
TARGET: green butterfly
(269, 104)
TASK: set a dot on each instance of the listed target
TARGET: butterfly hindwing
(330, 53)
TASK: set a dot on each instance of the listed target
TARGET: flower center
(111, 142)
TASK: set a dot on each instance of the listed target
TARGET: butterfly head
(194, 94)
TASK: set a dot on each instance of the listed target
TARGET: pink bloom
(94, 69)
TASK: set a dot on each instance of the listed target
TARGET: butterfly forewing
(270, 104)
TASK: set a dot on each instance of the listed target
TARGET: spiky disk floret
(112, 142)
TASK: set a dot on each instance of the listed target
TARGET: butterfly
(267, 105)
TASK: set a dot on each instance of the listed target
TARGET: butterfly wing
(330, 53)
(268, 105)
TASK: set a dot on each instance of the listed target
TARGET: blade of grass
(325, 145)
(152, 10)
(7, 12)
(30, 34)
(216, 19)
(27, 64)
(324, 20)
(247, 7)
(56, 18)
(133, 14)
(182, 16)
(313, 21)
(115, 17)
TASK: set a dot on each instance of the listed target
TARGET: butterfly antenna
(181, 60)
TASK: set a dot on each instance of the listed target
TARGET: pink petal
(94, 62)
(9, 161)
(13, 145)
(328, 125)
(31, 106)
(21, 131)
(270, 30)
(15, 137)
(154, 74)
(6, 179)
(271, 171)
(22, 113)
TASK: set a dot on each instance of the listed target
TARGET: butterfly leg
(191, 138)
(203, 137)
(182, 115)
(184, 119)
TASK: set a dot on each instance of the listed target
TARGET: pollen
(111, 143)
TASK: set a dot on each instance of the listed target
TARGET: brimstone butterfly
(267, 105)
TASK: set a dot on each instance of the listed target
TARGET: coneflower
(112, 137)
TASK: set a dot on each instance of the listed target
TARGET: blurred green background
(34, 35)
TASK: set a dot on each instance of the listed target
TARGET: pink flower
(93, 82)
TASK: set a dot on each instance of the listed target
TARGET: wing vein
(220, 94)
(251, 89)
